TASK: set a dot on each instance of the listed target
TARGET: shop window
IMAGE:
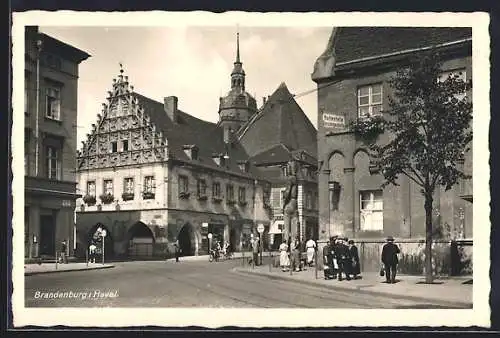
(370, 100)
(371, 210)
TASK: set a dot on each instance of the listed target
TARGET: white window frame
(128, 185)
(53, 94)
(149, 184)
(53, 163)
(91, 188)
(371, 104)
(108, 187)
(242, 194)
(366, 215)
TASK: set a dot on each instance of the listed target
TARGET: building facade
(151, 174)
(353, 80)
(51, 82)
(278, 133)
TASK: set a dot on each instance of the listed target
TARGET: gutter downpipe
(37, 142)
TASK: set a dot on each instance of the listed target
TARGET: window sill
(58, 121)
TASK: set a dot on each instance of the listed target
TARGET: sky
(193, 63)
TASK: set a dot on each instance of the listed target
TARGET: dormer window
(191, 151)
(244, 166)
(220, 159)
(284, 171)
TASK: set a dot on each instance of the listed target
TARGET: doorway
(47, 235)
(141, 241)
(187, 240)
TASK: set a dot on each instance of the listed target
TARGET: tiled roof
(280, 121)
(354, 43)
(207, 136)
(276, 154)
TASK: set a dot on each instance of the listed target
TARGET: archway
(93, 237)
(187, 240)
(141, 241)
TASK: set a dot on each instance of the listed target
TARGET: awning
(276, 227)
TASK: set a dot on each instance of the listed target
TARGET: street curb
(68, 270)
(358, 290)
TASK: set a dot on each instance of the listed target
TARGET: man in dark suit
(328, 256)
(343, 259)
(390, 259)
(355, 267)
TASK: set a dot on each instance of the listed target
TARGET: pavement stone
(34, 269)
(451, 291)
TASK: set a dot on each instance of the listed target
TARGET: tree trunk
(428, 237)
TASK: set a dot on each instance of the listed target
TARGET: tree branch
(412, 178)
(416, 174)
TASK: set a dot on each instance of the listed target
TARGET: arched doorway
(187, 240)
(93, 237)
(141, 241)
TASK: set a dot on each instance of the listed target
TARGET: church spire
(238, 74)
(238, 47)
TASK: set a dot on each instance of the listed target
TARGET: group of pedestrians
(290, 255)
(341, 257)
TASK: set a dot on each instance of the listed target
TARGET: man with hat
(343, 258)
(328, 257)
(390, 260)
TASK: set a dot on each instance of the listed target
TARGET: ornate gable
(124, 134)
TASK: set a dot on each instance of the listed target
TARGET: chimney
(170, 107)
(264, 100)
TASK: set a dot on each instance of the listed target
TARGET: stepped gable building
(352, 77)
(152, 174)
(238, 106)
(50, 108)
(279, 133)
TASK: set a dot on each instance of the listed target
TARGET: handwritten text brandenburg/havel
(94, 294)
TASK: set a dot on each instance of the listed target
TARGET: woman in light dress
(284, 260)
(310, 249)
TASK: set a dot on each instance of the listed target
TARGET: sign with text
(332, 121)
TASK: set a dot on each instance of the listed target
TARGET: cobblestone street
(192, 284)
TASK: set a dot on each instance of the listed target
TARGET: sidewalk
(236, 255)
(35, 269)
(450, 291)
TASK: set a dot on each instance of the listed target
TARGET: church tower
(237, 107)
